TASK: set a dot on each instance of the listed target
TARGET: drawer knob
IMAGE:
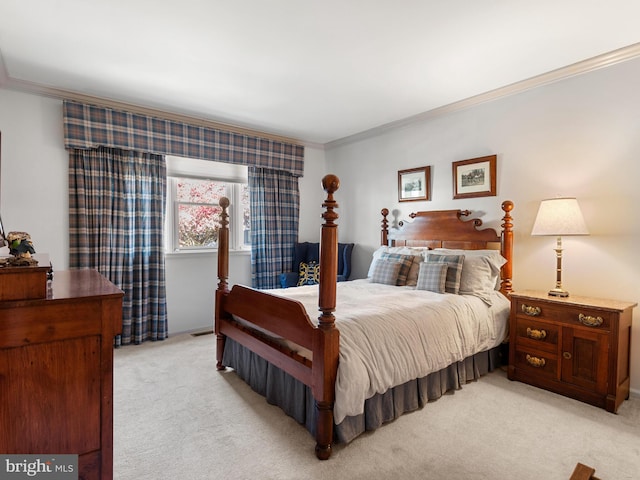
(590, 321)
(536, 361)
(536, 334)
(530, 310)
(567, 355)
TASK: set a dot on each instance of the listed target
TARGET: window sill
(189, 253)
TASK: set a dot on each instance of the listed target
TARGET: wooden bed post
(506, 245)
(384, 233)
(327, 339)
(223, 275)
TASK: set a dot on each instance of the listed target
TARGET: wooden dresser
(56, 371)
(574, 346)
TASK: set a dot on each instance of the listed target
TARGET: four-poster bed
(264, 335)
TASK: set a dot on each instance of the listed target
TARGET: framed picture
(413, 184)
(475, 177)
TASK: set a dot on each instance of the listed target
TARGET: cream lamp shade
(559, 217)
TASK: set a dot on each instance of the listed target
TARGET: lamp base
(558, 292)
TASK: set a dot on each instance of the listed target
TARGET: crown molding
(595, 63)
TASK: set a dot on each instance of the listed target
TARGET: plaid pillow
(309, 273)
(454, 272)
(405, 265)
(385, 271)
(432, 277)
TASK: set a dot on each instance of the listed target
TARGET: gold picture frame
(475, 177)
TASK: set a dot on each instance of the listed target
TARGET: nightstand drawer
(574, 315)
(536, 363)
(537, 334)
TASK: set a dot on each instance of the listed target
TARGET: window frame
(180, 168)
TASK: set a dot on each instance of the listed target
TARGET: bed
(380, 355)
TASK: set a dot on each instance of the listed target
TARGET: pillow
(419, 254)
(309, 273)
(385, 271)
(454, 272)
(432, 277)
(478, 264)
(405, 262)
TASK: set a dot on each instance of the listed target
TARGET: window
(193, 211)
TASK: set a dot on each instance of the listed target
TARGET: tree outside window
(198, 212)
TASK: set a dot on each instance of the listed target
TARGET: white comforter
(390, 335)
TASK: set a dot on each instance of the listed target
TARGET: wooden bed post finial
(384, 231)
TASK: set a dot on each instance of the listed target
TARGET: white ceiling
(312, 70)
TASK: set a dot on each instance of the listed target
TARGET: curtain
(275, 209)
(91, 126)
(116, 221)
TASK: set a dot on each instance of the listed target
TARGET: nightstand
(574, 346)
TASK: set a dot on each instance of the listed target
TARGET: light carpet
(176, 417)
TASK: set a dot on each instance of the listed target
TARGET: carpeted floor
(176, 417)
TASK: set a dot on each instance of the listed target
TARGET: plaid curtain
(116, 220)
(275, 208)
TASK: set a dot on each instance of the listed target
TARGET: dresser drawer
(571, 315)
(536, 363)
(537, 334)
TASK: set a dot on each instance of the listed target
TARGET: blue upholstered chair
(310, 252)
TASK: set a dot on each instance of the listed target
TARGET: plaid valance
(91, 126)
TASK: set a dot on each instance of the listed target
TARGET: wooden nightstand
(574, 346)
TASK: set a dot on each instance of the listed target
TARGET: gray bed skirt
(296, 400)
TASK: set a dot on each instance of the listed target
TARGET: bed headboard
(448, 229)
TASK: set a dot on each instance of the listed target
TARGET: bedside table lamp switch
(559, 217)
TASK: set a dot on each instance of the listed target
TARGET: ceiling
(312, 70)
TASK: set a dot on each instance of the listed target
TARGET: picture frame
(414, 184)
(475, 177)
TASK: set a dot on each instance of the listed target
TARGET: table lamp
(559, 217)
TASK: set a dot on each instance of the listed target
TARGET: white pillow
(480, 271)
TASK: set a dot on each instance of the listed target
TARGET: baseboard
(634, 393)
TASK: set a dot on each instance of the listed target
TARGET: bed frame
(288, 319)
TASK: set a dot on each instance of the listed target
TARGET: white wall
(579, 137)
(34, 198)
(34, 173)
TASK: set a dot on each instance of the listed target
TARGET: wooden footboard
(266, 312)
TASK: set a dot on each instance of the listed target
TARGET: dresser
(575, 346)
(56, 371)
